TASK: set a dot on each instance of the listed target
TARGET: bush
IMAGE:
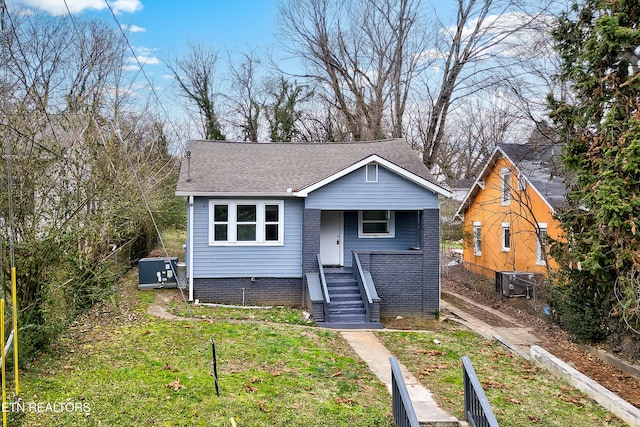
(583, 313)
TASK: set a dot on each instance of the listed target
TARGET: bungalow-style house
(508, 212)
(349, 230)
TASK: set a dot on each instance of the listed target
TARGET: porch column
(310, 245)
(430, 245)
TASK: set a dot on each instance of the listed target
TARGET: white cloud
(58, 7)
(133, 28)
(144, 60)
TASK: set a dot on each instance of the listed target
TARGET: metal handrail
(477, 410)
(323, 282)
(403, 413)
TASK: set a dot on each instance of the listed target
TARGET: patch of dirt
(552, 337)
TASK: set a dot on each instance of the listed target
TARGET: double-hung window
(246, 222)
(506, 186)
(541, 244)
(477, 238)
(506, 237)
(378, 223)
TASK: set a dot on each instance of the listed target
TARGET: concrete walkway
(371, 350)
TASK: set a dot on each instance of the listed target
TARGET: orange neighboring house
(507, 215)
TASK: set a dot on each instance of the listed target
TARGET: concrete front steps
(347, 309)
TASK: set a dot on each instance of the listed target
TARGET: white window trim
(506, 185)
(389, 235)
(260, 223)
(540, 260)
(477, 237)
(506, 226)
(370, 178)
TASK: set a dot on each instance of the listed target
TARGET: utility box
(515, 283)
(156, 273)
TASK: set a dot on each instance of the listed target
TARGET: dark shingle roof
(272, 168)
(541, 165)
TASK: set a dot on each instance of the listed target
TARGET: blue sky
(159, 30)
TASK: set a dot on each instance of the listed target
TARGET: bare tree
(362, 52)
(480, 128)
(469, 50)
(195, 74)
(72, 158)
(246, 94)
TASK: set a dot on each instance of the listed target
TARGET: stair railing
(367, 287)
(325, 290)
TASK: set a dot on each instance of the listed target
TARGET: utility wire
(145, 199)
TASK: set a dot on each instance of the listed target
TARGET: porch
(388, 276)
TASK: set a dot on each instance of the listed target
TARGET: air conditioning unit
(156, 273)
(515, 283)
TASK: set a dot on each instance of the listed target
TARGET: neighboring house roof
(539, 164)
(459, 188)
(242, 168)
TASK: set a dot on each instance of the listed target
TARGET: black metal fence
(403, 412)
(477, 410)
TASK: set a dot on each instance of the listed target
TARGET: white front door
(331, 237)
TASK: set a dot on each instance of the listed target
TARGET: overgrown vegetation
(599, 284)
(78, 171)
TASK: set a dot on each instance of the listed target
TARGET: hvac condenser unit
(157, 273)
(515, 283)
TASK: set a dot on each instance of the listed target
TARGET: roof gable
(295, 169)
(538, 164)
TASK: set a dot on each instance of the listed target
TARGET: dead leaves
(431, 369)
(565, 396)
(175, 385)
(430, 353)
(346, 402)
(261, 405)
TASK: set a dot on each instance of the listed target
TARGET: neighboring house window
(246, 223)
(522, 182)
(541, 244)
(506, 186)
(372, 172)
(376, 223)
(477, 239)
(506, 237)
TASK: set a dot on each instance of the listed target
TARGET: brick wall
(408, 282)
(264, 291)
(310, 245)
(398, 280)
(430, 245)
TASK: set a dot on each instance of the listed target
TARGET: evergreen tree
(598, 41)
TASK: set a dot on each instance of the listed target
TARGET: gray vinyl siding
(352, 192)
(248, 261)
(406, 224)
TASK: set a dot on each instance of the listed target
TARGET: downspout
(190, 265)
